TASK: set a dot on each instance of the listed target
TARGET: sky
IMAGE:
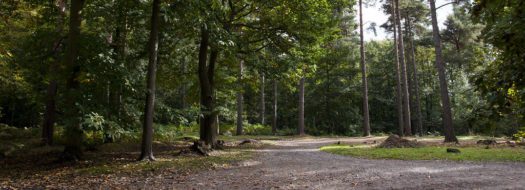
(375, 14)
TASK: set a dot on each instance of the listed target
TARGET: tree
(263, 106)
(73, 148)
(240, 99)
(399, 89)
(147, 133)
(274, 118)
(51, 93)
(206, 71)
(415, 81)
(300, 125)
(448, 127)
(366, 119)
(415, 14)
(404, 78)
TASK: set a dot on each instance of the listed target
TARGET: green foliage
(284, 40)
(257, 129)
(501, 80)
(520, 135)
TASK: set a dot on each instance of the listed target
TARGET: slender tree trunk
(240, 99)
(122, 34)
(399, 97)
(73, 148)
(263, 106)
(300, 127)
(204, 82)
(327, 111)
(417, 105)
(50, 113)
(366, 117)
(447, 112)
(147, 133)
(404, 78)
(274, 122)
(183, 86)
(212, 124)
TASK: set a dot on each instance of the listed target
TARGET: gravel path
(298, 164)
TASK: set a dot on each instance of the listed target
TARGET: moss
(430, 153)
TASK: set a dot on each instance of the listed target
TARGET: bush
(227, 128)
(287, 132)
(520, 135)
(9, 132)
(257, 129)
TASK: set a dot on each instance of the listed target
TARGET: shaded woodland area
(81, 76)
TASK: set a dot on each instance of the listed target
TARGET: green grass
(430, 153)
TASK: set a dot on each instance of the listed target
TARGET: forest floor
(295, 163)
(298, 164)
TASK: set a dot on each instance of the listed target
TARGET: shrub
(227, 128)
(257, 129)
(520, 135)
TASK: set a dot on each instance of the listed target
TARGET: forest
(88, 87)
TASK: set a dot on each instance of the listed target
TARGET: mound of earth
(394, 141)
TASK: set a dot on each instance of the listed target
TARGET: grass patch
(430, 153)
(175, 163)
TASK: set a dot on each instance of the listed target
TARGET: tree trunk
(274, 121)
(240, 99)
(72, 114)
(122, 34)
(50, 113)
(366, 117)
(399, 93)
(206, 72)
(300, 126)
(183, 86)
(263, 106)
(415, 81)
(447, 112)
(404, 78)
(147, 133)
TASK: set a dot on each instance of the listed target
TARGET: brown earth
(298, 164)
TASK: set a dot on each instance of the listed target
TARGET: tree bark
(50, 113)
(399, 97)
(415, 81)
(404, 78)
(366, 117)
(183, 86)
(445, 100)
(300, 126)
(72, 114)
(274, 121)
(240, 99)
(263, 106)
(206, 72)
(147, 133)
(121, 38)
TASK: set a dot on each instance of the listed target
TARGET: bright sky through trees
(374, 14)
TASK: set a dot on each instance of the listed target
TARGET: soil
(394, 141)
(298, 164)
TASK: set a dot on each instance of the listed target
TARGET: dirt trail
(298, 164)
